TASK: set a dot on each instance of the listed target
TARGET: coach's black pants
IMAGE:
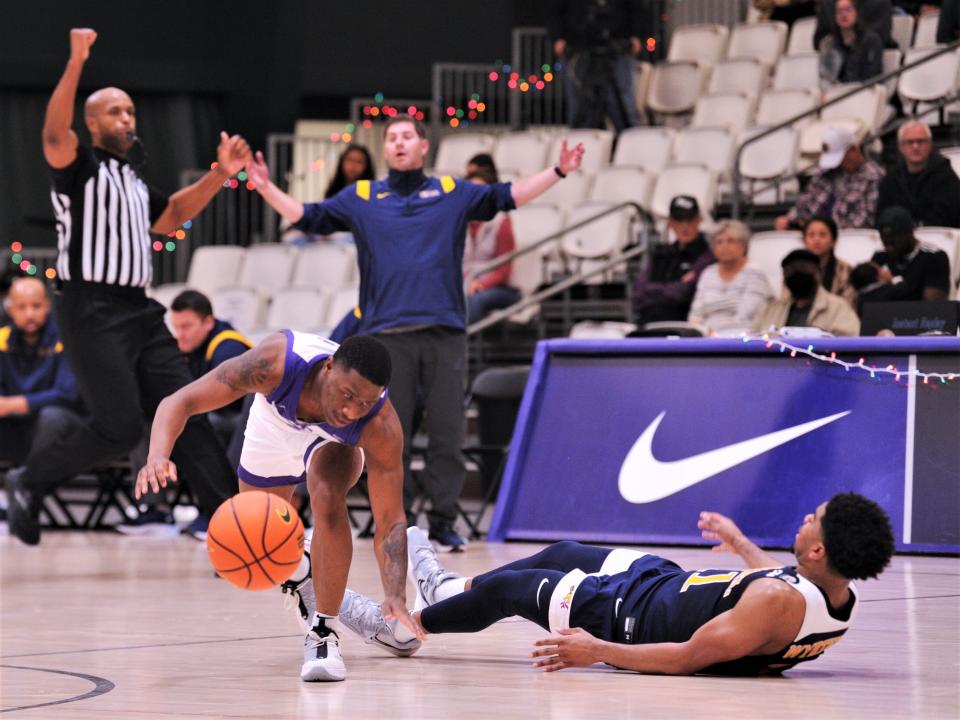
(429, 366)
(126, 362)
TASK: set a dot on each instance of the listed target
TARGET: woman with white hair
(731, 292)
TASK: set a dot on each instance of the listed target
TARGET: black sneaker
(151, 522)
(22, 509)
(446, 539)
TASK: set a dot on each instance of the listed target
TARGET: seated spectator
(808, 304)
(846, 189)
(730, 293)
(850, 53)
(482, 162)
(948, 26)
(486, 241)
(874, 15)
(820, 238)
(921, 180)
(39, 401)
(905, 270)
(206, 342)
(664, 288)
(354, 164)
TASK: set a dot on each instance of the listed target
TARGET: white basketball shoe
(322, 661)
(424, 568)
(364, 617)
(299, 589)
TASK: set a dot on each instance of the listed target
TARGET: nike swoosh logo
(539, 588)
(644, 479)
(616, 607)
(284, 514)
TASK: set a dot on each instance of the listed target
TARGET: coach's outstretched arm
(260, 369)
(764, 621)
(528, 188)
(59, 140)
(719, 527)
(288, 207)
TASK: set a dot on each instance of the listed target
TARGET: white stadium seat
(764, 41)
(733, 111)
(932, 80)
(564, 195)
(457, 148)
(686, 179)
(857, 245)
(530, 224)
(326, 266)
(300, 308)
(768, 249)
(622, 184)
(797, 72)
(801, 36)
(589, 246)
(773, 157)
(901, 30)
(703, 44)
(712, 146)
(215, 266)
(242, 307)
(268, 267)
(520, 153)
(741, 75)
(649, 148)
(953, 155)
(675, 86)
(777, 106)
(926, 35)
(892, 58)
(164, 294)
(340, 303)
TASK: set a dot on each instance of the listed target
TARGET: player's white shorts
(275, 452)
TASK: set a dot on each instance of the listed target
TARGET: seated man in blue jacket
(39, 401)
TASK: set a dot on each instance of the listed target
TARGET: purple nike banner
(627, 441)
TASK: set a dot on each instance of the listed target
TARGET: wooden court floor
(102, 627)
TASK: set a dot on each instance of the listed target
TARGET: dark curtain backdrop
(178, 131)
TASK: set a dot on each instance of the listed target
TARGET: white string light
(832, 359)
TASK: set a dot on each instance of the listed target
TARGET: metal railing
(535, 298)
(863, 87)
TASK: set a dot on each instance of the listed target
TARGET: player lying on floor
(638, 611)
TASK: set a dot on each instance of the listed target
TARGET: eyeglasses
(915, 141)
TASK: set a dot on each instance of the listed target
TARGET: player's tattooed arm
(394, 570)
(260, 369)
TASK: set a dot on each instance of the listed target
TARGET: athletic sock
(450, 587)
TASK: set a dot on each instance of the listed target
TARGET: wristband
(559, 172)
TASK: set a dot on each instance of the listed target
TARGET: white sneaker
(364, 617)
(299, 593)
(424, 568)
(322, 661)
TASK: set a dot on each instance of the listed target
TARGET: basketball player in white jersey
(321, 412)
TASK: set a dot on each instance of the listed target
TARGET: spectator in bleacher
(354, 164)
(874, 15)
(485, 242)
(597, 40)
(664, 288)
(922, 180)
(39, 401)
(905, 269)
(410, 231)
(207, 342)
(808, 303)
(731, 292)
(846, 188)
(482, 162)
(948, 26)
(851, 53)
(820, 238)
(114, 337)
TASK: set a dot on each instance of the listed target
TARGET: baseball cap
(836, 142)
(895, 220)
(684, 207)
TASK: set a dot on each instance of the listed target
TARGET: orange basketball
(255, 540)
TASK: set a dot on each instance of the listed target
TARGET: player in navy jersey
(638, 611)
(321, 413)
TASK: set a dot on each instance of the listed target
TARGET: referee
(114, 337)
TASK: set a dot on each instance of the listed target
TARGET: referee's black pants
(126, 361)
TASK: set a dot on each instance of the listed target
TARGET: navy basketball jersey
(663, 603)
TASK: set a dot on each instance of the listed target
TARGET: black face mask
(801, 285)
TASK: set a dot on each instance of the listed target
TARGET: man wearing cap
(808, 304)
(845, 190)
(921, 180)
(664, 288)
(907, 270)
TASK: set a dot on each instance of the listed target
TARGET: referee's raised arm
(59, 140)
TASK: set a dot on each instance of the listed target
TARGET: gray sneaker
(299, 593)
(424, 568)
(363, 616)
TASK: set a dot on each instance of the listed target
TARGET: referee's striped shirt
(104, 211)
